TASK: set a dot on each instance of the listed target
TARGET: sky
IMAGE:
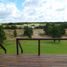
(33, 10)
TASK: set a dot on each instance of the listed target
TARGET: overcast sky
(33, 10)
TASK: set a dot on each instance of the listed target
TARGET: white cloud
(8, 12)
(35, 10)
(44, 10)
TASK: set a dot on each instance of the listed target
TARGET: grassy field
(31, 47)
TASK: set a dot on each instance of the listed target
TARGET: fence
(38, 39)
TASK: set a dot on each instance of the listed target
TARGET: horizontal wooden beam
(41, 38)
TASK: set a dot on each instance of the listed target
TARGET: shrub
(28, 31)
(54, 30)
(14, 27)
(14, 33)
(2, 38)
(2, 35)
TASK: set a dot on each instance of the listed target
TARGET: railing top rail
(49, 38)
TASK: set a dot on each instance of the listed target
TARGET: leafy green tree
(14, 27)
(54, 30)
(2, 38)
(2, 35)
(15, 33)
(28, 31)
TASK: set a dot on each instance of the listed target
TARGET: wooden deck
(33, 61)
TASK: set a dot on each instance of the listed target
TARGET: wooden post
(38, 47)
(1, 45)
(20, 47)
(17, 46)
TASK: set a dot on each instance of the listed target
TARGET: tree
(28, 31)
(15, 33)
(54, 30)
(14, 27)
(2, 38)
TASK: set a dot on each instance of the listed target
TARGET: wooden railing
(1, 45)
(38, 39)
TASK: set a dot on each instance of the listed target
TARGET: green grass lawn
(31, 47)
